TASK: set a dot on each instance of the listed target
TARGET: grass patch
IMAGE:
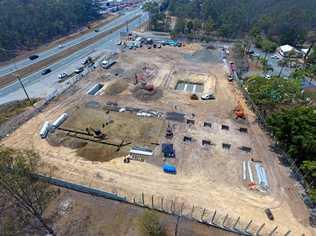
(9, 110)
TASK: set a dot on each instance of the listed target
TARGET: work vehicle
(208, 96)
(79, 70)
(46, 71)
(62, 75)
(33, 57)
(87, 61)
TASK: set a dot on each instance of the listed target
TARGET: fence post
(143, 199)
(134, 200)
(225, 220)
(247, 227)
(260, 228)
(203, 214)
(236, 222)
(192, 211)
(171, 206)
(272, 232)
(162, 204)
(181, 209)
(287, 233)
(152, 201)
(213, 217)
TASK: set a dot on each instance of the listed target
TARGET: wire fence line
(177, 208)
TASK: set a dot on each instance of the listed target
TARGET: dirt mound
(116, 88)
(203, 56)
(147, 95)
(93, 104)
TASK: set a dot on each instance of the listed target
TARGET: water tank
(44, 130)
(60, 120)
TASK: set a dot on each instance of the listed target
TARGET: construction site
(166, 122)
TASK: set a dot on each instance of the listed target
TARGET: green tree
(189, 26)
(17, 184)
(180, 25)
(149, 224)
(208, 26)
(296, 129)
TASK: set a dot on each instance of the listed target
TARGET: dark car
(33, 57)
(46, 71)
(96, 30)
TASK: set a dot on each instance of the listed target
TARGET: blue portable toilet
(170, 169)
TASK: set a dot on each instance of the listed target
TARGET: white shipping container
(60, 120)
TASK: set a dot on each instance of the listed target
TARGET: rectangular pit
(187, 139)
(225, 127)
(226, 146)
(190, 122)
(189, 87)
(207, 124)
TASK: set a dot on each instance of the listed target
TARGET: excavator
(140, 79)
(239, 111)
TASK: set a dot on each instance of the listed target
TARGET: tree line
(287, 21)
(290, 114)
(26, 24)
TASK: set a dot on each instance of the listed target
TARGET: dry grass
(117, 87)
(12, 109)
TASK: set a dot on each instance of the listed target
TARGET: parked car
(96, 30)
(159, 45)
(33, 57)
(119, 42)
(208, 96)
(62, 75)
(274, 56)
(46, 71)
(60, 46)
(230, 78)
(79, 70)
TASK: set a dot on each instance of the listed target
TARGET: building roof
(287, 48)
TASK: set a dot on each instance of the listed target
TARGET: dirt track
(207, 178)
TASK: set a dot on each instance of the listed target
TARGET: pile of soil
(116, 88)
(145, 95)
(203, 56)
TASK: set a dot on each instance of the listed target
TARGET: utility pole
(18, 77)
(28, 97)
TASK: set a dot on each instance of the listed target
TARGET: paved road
(52, 51)
(40, 86)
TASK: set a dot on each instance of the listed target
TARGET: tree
(149, 224)
(18, 184)
(189, 26)
(296, 129)
(180, 25)
(208, 26)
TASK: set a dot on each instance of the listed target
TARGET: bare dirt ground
(207, 176)
(75, 213)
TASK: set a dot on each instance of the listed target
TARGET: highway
(8, 69)
(38, 85)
